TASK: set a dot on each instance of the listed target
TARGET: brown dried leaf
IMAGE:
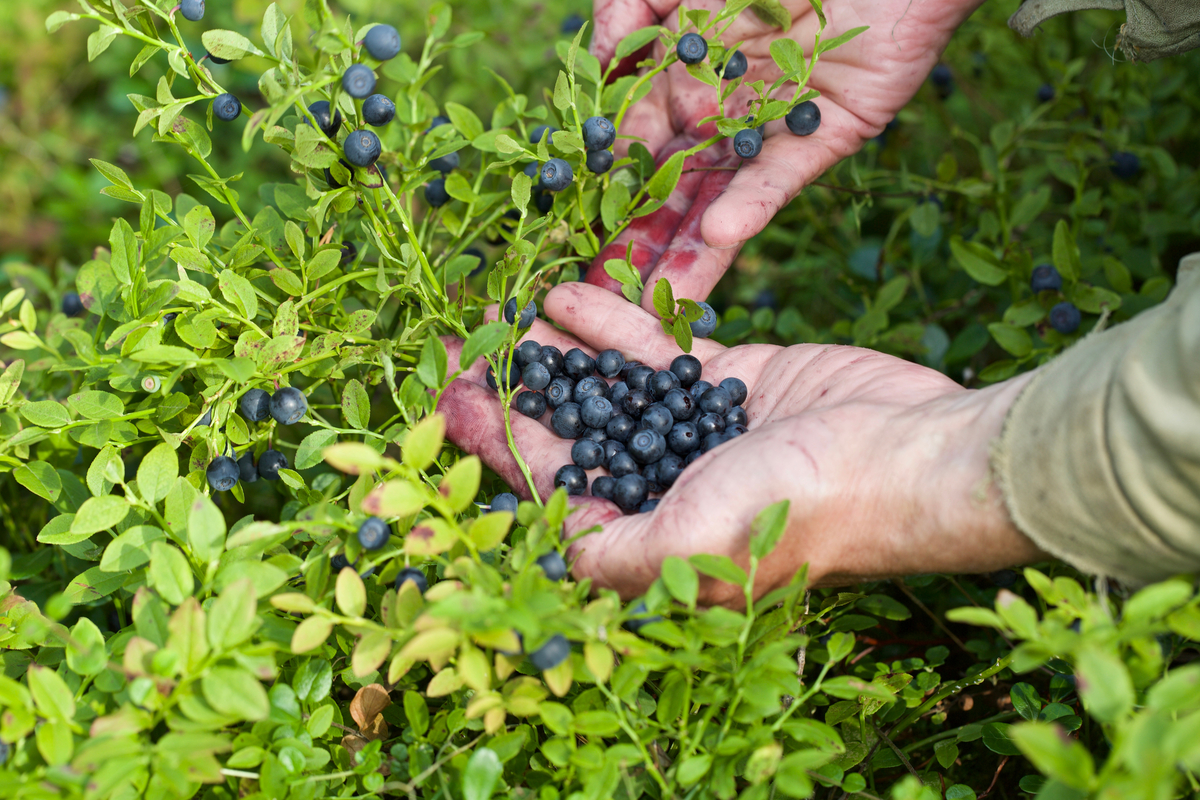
(367, 704)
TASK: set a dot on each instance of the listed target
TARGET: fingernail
(724, 246)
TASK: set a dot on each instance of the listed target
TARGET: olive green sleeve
(1153, 28)
(1099, 459)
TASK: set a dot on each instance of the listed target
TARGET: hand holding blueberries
(885, 462)
(863, 84)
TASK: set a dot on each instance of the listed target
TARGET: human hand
(694, 238)
(885, 462)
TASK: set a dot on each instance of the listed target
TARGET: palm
(821, 420)
(694, 238)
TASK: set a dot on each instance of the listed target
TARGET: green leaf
(356, 405)
(229, 45)
(311, 447)
(99, 514)
(978, 262)
(1066, 253)
(838, 41)
(1054, 754)
(788, 55)
(431, 369)
(664, 299)
(1014, 340)
(883, 606)
(666, 178)
(996, 738)
(46, 414)
(464, 120)
(483, 341)
(169, 573)
(636, 41)
(157, 473)
(1104, 684)
(767, 529)
(351, 594)
(85, 648)
(681, 580)
(50, 693)
(235, 692)
(92, 584)
(772, 12)
(238, 291)
(720, 567)
(206, 529)
(424, 441)
(40, 478)
(481, 774)
(233, 617)
(131, 549)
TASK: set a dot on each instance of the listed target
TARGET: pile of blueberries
(287, 407)
(645, 428)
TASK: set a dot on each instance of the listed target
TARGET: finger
(605, 320)
(691, 266)
(652, 234)
(475, 423)
(786, 164)
(616, 19)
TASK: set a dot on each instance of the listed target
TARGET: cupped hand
(885, 462)
(694, 238)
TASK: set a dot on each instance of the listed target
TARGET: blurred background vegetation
(863, 257)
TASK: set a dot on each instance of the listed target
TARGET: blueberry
(553, 565)
(628, 366)
(736, 66)
(559, 392)
(735, 430)
(255, 405)
(617, 392)
(528, 313)
(288, 405)
(222, 473)
(661, 383)
(437, 122)
(527, 352)
(192, 10)
(544, 201)
(1045, 93)
(596, 435)
(514, 377)
(736, 416)
(531, 404)
(650, 473)
(226, 107)
(1045, 279)
(710, 423)
(72, 305)
(704, 327)
(552, 653)
(941, 76)
(1065, 318)
(382, 42)
(556, 175)
(533, 171)
(804, 118)
(590, 386)
(692, 48)
(598, 134)
(670, 467)
(362, 148)
(630, 491)
(692, 457)
(622, 464)
(596, 410)
(658, 419)
(328, 125)
(247, 472)
(620, 427)
(747, 143)
(640, 612)
(436, 194)
(416, 576)
(349, 254)
(572, 24)
(571, 478)
(609, 363)
(446, 163)
(168, 317)
(578, 364)
(536, 376)
(338, 562)
(537, 133)
(683, 438)
(1125, 165)
(736, 388)
(587, 454)
(611, 448)
(205, 419)
(647, 446)
(697, 389)
(358, 81)
(552, 359)
(567, 422)
(1004, 578)
(680, 403)
(712, 440)
(373, 533)
(505, 501)
(648, 506)
(639, 377)
(687, 369)
(215, 59)
(604, 486)
(716, 401)
(269, 464)
(636, 402)
(378, 110)
(599, 161)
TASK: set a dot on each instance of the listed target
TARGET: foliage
(165, 641)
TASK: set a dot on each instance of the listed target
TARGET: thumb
(614, 557)
(616, 19)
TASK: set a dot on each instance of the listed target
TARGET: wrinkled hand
(885, 462)
(694, 238)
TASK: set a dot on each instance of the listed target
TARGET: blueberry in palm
(571, 478)
(704, 327)
(804, 118)
(528, 314)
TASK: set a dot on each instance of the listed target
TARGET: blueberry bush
(238, 558)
